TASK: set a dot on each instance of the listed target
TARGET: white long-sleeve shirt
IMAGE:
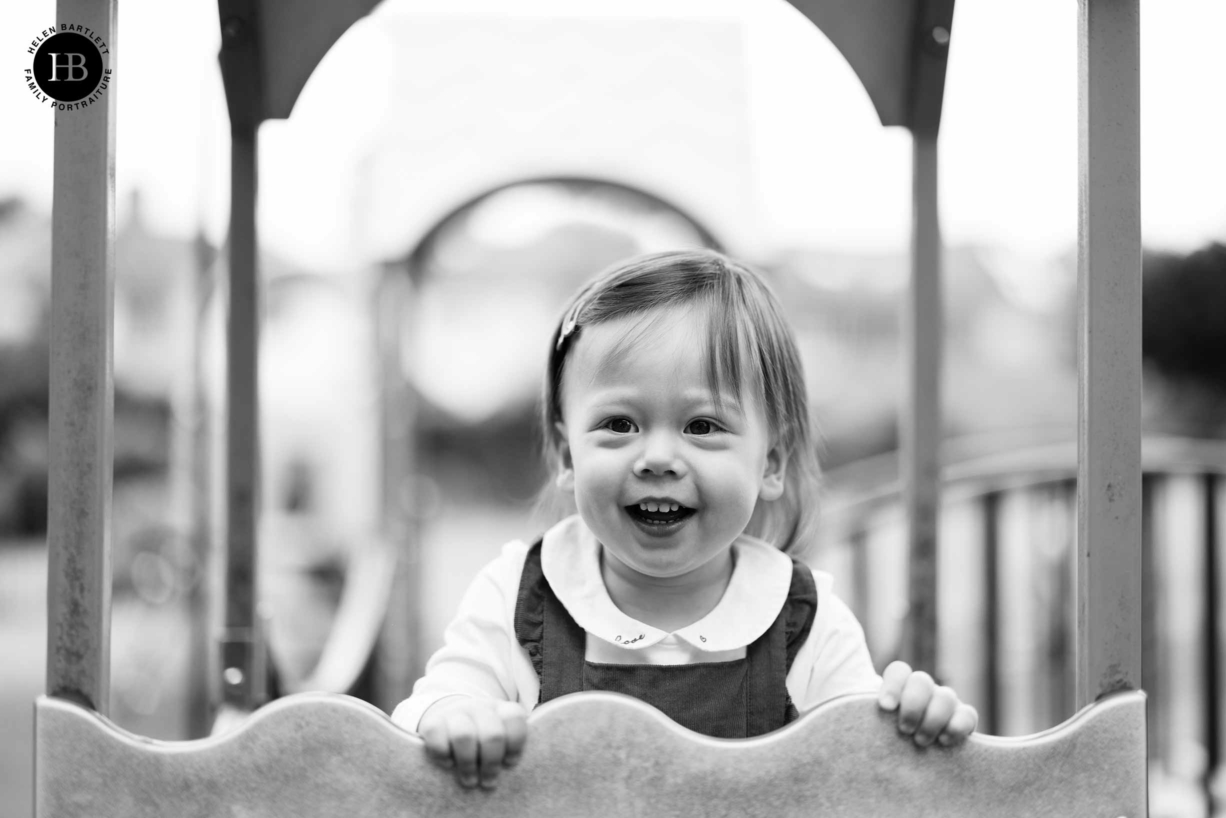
(482, 657)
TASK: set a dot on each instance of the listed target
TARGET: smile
(659, 514)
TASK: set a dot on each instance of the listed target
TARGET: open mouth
(660, 513)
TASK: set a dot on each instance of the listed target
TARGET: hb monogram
(74, 62)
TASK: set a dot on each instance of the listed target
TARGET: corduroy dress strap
(736, 699)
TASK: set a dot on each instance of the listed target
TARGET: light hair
(748, 342)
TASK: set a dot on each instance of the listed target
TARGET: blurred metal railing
(1007, 594)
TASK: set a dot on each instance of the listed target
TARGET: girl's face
(664, 475)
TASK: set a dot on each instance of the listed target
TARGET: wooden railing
(1007, 594)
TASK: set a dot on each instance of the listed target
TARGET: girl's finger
(892, 682)
(515, 726)
(462, 733)
(937, 715)
(916, 694)
(438, 748)
(492, 742)
(961, 724)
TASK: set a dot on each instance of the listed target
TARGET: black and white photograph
(653, 408)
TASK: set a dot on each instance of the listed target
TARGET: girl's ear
(565, 479)
(774, 473)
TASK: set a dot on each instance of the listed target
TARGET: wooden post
(81, 391)
(921, 427)
(1109, 267)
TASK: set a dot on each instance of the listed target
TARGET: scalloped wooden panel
(590, 754)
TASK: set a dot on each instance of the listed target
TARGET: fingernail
(887, 702)
(468, 780)
(922, 739)
(906, 727)
(945, 740)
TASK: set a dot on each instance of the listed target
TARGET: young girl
(675, 418)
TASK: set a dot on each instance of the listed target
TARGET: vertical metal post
(400, 661)
(1151, 667)
(990, 708)
(81, 391)
(1068, 582)
(1217, 646)
(1213, 613)
(921, 427)
(199, 494)
(242, 648)
(1109, 408)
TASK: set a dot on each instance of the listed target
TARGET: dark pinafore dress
(737, 699)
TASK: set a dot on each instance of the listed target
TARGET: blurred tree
(24, 382)
(141, 419)
(141, 429)
(1184, 337)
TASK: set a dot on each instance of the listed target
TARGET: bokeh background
(414, 244)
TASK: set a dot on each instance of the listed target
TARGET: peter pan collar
(761, 577)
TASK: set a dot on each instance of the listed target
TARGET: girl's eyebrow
(722, 401)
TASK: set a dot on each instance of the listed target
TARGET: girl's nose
(660, 457)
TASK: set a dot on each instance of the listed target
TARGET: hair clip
(570, 324)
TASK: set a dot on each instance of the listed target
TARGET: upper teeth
(654, 506)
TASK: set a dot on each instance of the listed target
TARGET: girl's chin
(656, 563)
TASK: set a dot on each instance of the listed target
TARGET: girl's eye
(702, 427)
(621, 426)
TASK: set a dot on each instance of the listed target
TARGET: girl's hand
(476, 737)
(926, 711)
